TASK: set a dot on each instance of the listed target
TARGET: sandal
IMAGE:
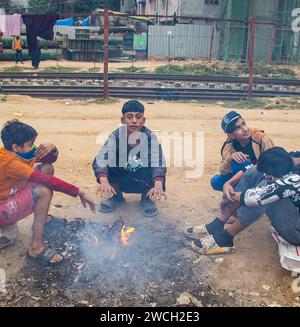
(45, 257)
(112, 203)
(148, 207)
(8, 235)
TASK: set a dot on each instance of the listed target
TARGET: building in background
(275, 42)
(20, 3)
(206, 8)
(129, 6)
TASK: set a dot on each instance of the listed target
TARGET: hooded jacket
(260, 143)
(108, 158)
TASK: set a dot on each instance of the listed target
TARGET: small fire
(125, 232)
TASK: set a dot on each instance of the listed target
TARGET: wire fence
(206, 39)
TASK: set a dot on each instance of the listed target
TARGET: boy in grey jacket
(131, 161)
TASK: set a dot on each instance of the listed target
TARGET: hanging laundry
(2, 23)
(38, 25)
(12, 25)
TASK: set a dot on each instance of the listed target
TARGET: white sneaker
(196, 232)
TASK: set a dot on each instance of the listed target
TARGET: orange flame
(126, 231)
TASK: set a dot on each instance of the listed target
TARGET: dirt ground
(113, 66)
(253, 271)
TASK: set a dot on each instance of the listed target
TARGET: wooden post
(251, 57)
(167, 10)
(106, 53)
(272, 47)
(211, 44)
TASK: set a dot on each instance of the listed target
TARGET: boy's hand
(105, 190)
(86, 199)
(228, 191)
(43, 150)
(239, 157)
(156, 193)
(236, 197)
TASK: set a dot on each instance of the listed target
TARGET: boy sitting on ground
(131, 161)
(271, 188)
(241, 149)
(27, 184)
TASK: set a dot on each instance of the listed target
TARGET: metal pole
(106, 53)
(272, 47)
(167, 9)
(251, 57)
(211, 44)
(169, 50)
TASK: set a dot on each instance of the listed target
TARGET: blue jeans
(217, 182)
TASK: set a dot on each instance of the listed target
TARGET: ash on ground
(154, 269)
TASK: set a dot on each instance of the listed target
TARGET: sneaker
(8, 235)
(208, 246)
(196, 232)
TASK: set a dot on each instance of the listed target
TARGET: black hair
(133, 106)
(16, 132)
(275, 162)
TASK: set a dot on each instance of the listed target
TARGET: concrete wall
(185, 41)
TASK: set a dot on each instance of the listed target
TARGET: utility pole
(106, 53)
(167, 9)
(251, 57)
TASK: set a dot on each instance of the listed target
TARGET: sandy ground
(113, 66)
(254, 270)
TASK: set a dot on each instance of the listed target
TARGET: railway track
(140, 93)
(146, 77)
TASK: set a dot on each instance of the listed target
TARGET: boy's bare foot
(44, 255)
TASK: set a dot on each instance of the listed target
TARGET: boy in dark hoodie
(131, 161)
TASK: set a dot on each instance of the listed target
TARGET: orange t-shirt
(18, 44)
(14, 173)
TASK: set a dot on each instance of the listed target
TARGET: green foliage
(3, 97)
(64, 6)
(133, 69)
(13, 69)
(108, 100)
(198, 70)
(59, 69)
(247, 104)
(270, 71)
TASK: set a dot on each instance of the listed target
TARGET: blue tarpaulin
(65, 22)
(86, 22)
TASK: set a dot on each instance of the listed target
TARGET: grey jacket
(115, 155)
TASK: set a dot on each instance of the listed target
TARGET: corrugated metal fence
(183, 41)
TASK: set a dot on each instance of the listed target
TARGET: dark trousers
(19, 56)
(36, 59)
(138, 182)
